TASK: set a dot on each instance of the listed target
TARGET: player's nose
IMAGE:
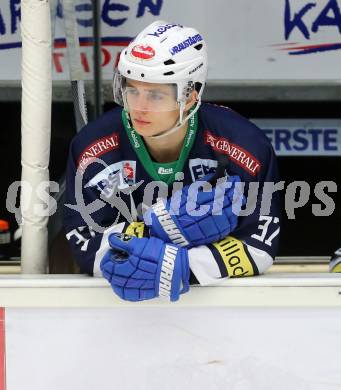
(141, 103)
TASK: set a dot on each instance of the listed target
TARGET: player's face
(152, 107)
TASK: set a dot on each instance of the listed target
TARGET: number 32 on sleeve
(265, 222)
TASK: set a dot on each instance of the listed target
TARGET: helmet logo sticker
(190, 41)
(196, 68)
(144, 52)
(163, 28)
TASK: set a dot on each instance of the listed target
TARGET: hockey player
(133, 180)
(335, 262)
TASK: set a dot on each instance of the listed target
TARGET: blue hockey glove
(191, 217)
(145, 268)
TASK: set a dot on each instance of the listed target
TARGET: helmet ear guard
(117, 88)
(187, 90)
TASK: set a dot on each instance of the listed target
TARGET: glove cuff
(164, 226)
(185, 271)
(173, 272)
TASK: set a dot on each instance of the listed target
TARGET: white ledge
(317, 290)
(269, 280)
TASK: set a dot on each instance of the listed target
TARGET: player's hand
(145, 268)
(191, 218)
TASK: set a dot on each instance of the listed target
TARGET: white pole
(36, 130)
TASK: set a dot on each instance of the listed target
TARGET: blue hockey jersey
(107, 183)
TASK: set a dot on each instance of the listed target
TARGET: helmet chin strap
(179, 124)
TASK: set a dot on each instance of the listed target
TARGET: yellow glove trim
(337, 268)
(135, 229)
(235, 257)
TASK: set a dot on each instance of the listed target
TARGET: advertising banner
(303, 137)
(247, 40)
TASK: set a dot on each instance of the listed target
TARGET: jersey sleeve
(88, 220)
(252, 246)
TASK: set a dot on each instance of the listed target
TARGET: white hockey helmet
(165, 53)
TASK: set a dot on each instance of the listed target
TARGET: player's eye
(132, 91)
(156, 95)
